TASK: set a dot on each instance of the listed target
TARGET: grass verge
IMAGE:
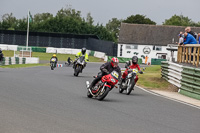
(151, 79)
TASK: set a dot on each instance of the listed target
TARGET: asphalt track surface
(39, 100)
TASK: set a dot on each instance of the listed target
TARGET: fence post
(194, 55)
(186, 55)
(198, 51)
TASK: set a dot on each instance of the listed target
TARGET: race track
(39, 100)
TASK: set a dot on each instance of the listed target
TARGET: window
(131, 46)
(157, 48)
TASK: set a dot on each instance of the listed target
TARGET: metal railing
(189, 54)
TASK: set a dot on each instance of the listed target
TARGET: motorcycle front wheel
(76, 70)
(120, 88)
(130, 86)
(52, 68)
(103, 94)
(89, 95)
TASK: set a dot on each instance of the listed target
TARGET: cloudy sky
(104, 10)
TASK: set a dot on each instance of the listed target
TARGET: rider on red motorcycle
(131, 64)
(107, 68)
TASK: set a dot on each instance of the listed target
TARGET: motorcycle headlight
(113, 80)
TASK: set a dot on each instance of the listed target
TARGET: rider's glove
(141, 72)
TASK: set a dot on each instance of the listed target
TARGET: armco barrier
(187, 79)
(190, 83)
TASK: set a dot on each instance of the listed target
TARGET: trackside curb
(175, 96)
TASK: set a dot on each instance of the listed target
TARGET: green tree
(38, 18)
(68, 12)
(67, 20)
(179, 21)
(8, 21)
(113, 26)
(89, 19)
(21, 24)
(103, 33)
(197, 24)
(139, 19)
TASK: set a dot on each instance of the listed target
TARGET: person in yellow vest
(79, 54)
(146, 58)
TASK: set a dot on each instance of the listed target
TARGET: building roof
(144, 34)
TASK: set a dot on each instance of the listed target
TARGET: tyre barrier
(187, 79)
(19, 60)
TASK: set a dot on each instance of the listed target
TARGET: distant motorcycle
(79, 65)
(102, 88)
(129, 82)
(53, 63)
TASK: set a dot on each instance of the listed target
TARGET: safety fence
(189, 54)
(54, 50)
(19, 60)
(187, 79)
(58, 40)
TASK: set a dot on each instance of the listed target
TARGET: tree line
(68, 20)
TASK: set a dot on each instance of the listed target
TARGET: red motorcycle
(101, 89)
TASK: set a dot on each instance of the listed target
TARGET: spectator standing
(188, 30)
(189, 39)
(181, 39)
(146, 58)
(199, 38)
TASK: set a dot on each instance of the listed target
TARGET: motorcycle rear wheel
(105, 93)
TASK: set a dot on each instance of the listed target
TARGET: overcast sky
(104, 10)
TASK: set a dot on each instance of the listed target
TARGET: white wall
(8, 47)
(140, 52)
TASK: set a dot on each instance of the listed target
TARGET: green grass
(23, 65)
(151, 79)
(47, 56)
(61, 57)
(8, 53)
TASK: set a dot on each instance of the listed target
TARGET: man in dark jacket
(106, 69)
(188, 30)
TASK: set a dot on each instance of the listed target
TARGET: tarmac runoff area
(175, 96)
